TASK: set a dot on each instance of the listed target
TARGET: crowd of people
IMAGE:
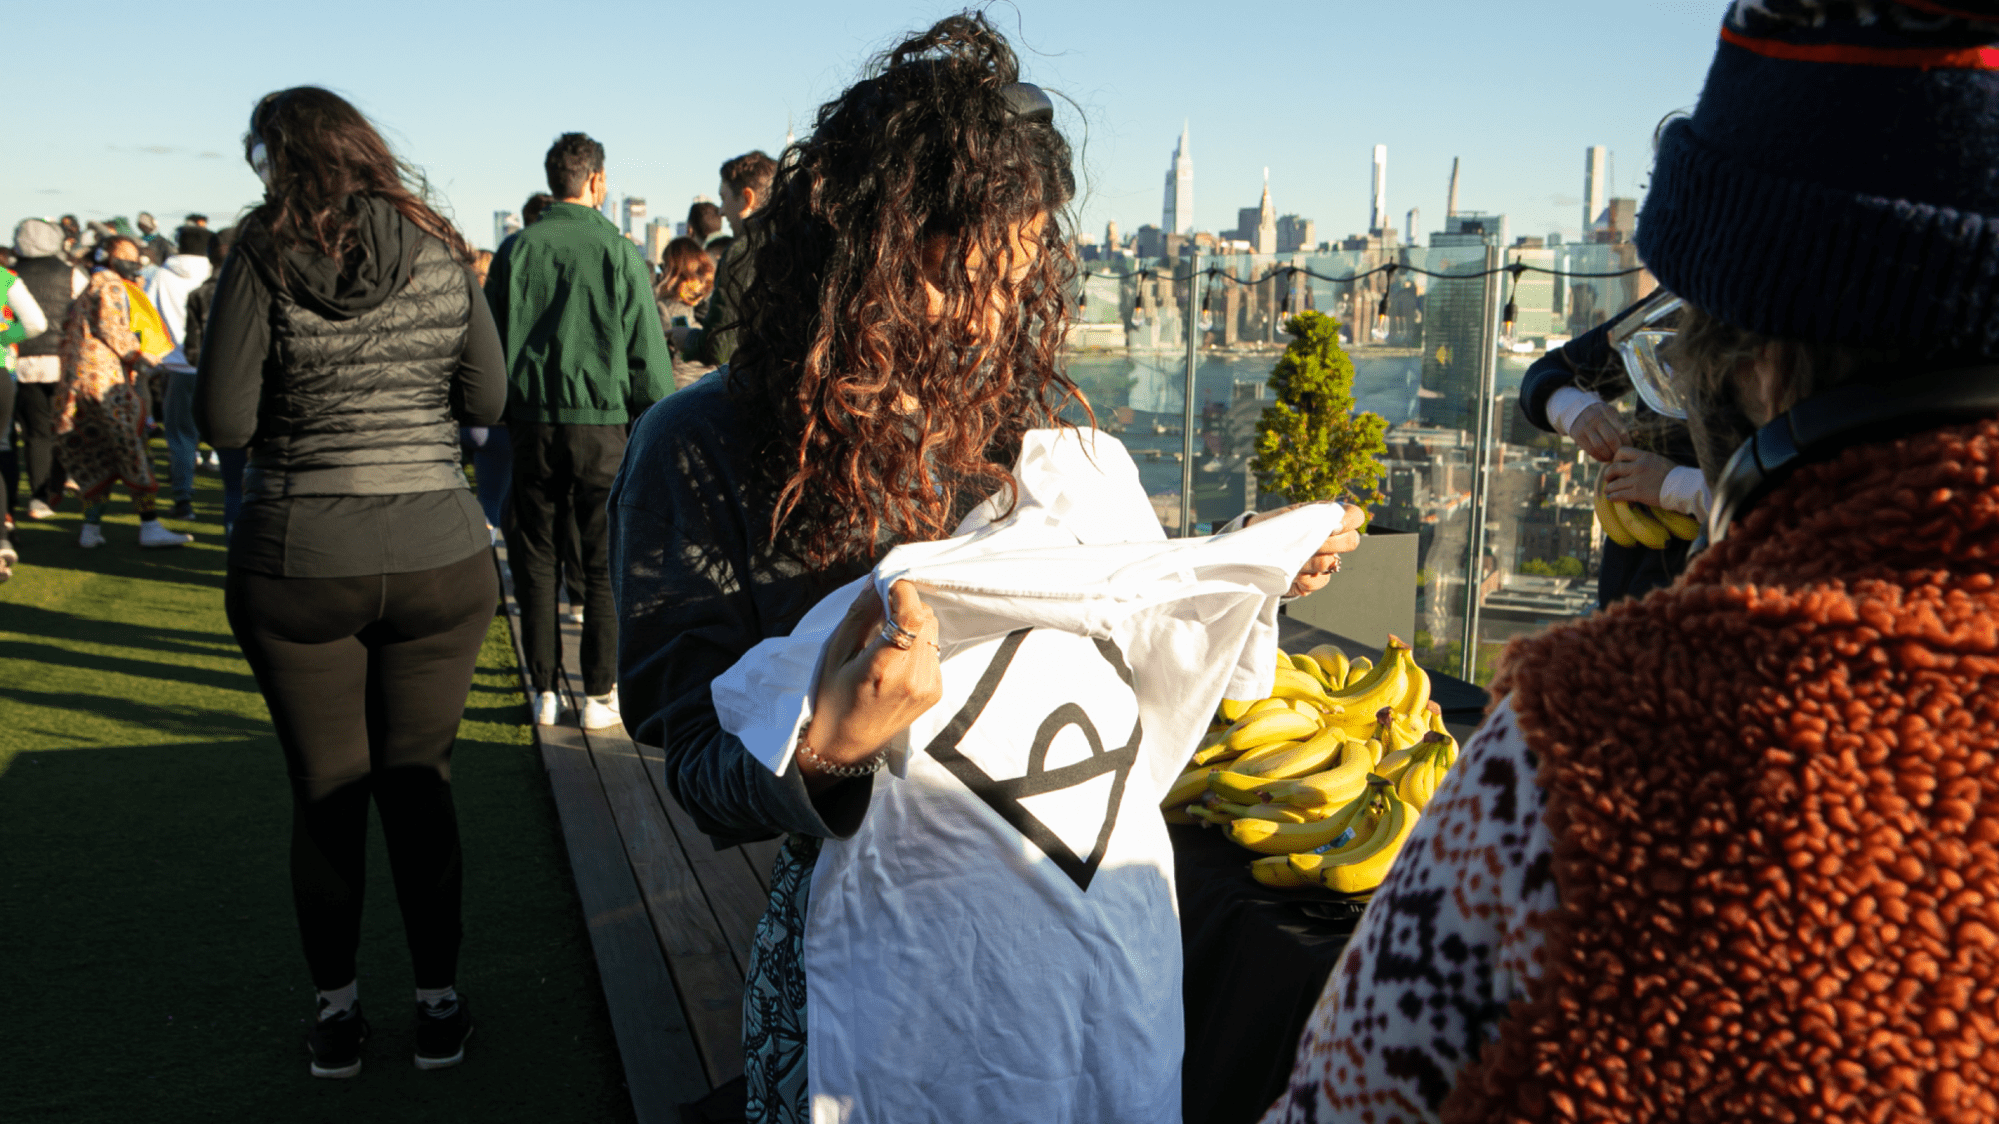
(1724, 850)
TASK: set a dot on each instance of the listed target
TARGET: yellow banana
(1187, 787)
(1308, 758)
(1283, 814)
(1212, 751)
(1293, 684)
(1679, 523)
(1639, 522)
(1242, 788)
(1210, 816)
(1434, 718)
(1233, 709)
(1357, 821)
(1374, 752)
(1357, 670)
(1266, 706)
(1275, 871)
(1417, 698)
(1392, 765)
(1270, 726)
(1250, 757)
(1274, 838)
(1612, 521)
(1311, 668)
(1333, 663)
(1419, 782)
(1341, 783)
(1385, 685)
(1366, 872)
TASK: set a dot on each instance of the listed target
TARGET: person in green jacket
(585, 356)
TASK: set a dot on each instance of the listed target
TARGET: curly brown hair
(884, 418)
(320, 151)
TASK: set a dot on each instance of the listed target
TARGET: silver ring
(897, 635)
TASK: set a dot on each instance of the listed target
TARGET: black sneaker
(335, 1043)
(441, 1032)
(182, 510)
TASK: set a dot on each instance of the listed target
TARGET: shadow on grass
(40, 621)
(148, 923)
(51, 654)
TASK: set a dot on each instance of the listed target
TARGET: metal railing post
(1481, 491)
(1187, 400)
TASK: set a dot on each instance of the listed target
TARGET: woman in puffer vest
(1731, 851)
(347, 342)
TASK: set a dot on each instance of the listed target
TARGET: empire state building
(1178, 215)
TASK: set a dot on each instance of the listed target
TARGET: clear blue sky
(474, 94)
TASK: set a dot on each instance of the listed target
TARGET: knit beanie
(1838, 181)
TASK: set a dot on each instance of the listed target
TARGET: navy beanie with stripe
(1838, 182)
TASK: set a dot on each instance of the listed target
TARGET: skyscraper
(635, 219)
(1377, 218)
(1415, 224)
(1454, 318)
(1451, 200)
(1177, 216)
(1266, 221)
(505, 223)
(1596, 186)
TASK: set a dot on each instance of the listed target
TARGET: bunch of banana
(1630, 525)
(1324, 777)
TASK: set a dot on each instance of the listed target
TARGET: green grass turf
(151, 963)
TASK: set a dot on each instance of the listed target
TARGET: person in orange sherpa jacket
(1731, 851)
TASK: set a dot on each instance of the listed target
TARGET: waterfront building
(1177, 214)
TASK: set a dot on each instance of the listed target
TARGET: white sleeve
(1567, 404)
(1242, 521)
(26, 310)
(78, 282)
(1685, 490)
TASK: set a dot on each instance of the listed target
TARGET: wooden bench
(671, 919)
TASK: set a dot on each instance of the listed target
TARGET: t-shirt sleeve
(681, 573)
(1448, 942)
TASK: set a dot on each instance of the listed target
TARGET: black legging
(366, 679)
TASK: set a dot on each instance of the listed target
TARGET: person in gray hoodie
(44, 266)
(171, 285)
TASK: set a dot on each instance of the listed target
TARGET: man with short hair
(169, 288)
(152, 244)
(746, 184)
(574, 305)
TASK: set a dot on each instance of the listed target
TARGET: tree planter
(1373, 595)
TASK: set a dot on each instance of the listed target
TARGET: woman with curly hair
(900, 341)
(347, 342)
(687, 277)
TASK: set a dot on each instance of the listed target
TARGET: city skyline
(98, 151)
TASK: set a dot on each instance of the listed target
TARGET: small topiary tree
(1311, 444)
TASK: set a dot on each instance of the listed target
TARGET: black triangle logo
(1005, 795)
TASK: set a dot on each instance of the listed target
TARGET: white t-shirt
(999, 939)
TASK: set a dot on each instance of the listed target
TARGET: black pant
(10, 462)
(563, 473)
(366, 679)
(35, 407)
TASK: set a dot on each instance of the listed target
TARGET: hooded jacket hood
(37, 238)
(386, 251)
(193, 267)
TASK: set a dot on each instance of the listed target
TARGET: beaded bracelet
(863, 769)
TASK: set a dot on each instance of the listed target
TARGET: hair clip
(1029, 102)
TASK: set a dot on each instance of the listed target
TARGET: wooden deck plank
(705, 969)
(735, 894)
(663, 1067)
(763, 857)
(705, 965)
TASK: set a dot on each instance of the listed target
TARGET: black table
(1256, 959)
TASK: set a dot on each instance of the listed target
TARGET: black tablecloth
(1257, 958)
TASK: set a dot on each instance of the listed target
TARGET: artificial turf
(147, 942)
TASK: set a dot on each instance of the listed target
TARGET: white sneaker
(548, 709)
(576, 617)
(92, 536)
(600, 711)
(39, 511)
(153, 534)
